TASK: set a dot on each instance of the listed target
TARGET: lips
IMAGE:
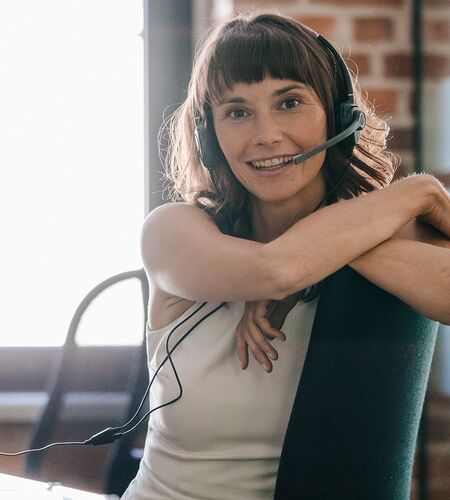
(272, 167)
(272, 162)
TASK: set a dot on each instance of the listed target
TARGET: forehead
(269, 88)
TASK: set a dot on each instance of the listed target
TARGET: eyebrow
(277, 93)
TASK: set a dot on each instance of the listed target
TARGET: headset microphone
(354, 129)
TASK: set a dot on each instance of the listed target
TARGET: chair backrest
(355, 420)
(60, 378)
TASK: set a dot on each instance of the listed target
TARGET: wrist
(427, 192)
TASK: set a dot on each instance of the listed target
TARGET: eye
(291, 102)
(237, 113)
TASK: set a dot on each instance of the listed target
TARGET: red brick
(372, 29)
(384, 100)
(323, 25)
(398, 65)
(437, 30)
(436, 66)
(401, 139)
(359, 63)
(437, 2)
(362, 2)
(260, 3)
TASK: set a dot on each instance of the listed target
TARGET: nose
(266, 131)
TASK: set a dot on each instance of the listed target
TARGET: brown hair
(275, 45)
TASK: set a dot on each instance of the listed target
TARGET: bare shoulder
(173, 212)
(164, 307)
(169, 227)
(186, 256)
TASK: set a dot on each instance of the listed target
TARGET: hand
(253, 331)
(438, 211)
(255, 328)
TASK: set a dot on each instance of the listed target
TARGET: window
(72, 168)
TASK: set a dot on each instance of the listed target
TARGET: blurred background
(84, 87)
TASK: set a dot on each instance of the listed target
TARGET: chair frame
(60, 375)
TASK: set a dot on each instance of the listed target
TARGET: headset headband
(344, 68)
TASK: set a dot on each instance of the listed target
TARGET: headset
(350, 120)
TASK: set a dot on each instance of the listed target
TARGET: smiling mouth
(273, 164)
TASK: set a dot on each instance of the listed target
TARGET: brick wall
(374, 37)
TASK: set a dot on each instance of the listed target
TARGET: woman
(248, 247)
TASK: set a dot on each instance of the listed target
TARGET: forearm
(330, 238)
(417, 273)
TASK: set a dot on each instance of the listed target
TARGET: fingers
(253, 333)
(268, 329)
(261, 349)
(259, 354)
(244, 340)
(241, 345)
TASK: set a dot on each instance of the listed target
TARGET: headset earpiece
(349, 112)
(208, 147)
(199, 138)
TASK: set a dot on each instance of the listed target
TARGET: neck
(272, 219)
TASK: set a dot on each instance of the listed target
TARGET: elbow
(286, 277)
(441, 316)
(277, 273)
(445, 320)
(281, 288)
(444, 316)
(289, 284)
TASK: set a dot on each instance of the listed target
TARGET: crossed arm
(414, 265)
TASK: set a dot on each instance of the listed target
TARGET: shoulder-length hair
(246, 49)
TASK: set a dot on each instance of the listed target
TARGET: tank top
(223, 438)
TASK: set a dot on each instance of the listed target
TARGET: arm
(415, 267)
(186, 256)
(320, 244)
(429, 296)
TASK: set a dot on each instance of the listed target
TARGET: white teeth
(271, 163)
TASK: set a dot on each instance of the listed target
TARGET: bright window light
(72, 168)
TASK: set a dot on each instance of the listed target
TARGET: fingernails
(272, 356)
(267, 368)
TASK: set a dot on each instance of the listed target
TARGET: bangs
(247, 54)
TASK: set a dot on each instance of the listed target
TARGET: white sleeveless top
(223, 438)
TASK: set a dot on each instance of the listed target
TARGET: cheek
(229, 142)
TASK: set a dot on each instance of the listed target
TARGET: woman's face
(263, 125)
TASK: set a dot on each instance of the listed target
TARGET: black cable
(168, 357)
(111, 434)
(161, 365)
(41, 449)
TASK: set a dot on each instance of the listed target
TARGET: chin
(274, 197)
